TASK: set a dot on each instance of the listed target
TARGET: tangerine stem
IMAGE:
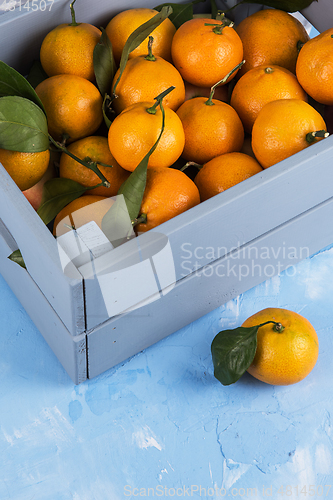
(191, 164)
(152, 109)
(73, 23)
(218, 27)
(90, 161)
(233, 7)
(221, 82)
(299, 45)
(64, 139)
(88, 164)
(139, 220)
(278, 327)
(221, 17)
(312, 136)
(150, 56)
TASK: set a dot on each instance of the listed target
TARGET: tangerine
(314, 68)
(73, 106)
(286, 353)
(34, 194)
(144, 78)
(223, 172)
(271, 36)
(283, 128)
(205, 50)
(80, 211)
(211, 127)
(133, 133)
(68, 48)
(26, 169)
(121, 26)
(95, 148)
(168, 192)
(260, 85)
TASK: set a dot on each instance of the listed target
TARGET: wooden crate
(218, 249)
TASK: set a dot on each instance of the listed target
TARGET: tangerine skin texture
(26, 169)
(69, 49)
(97, 149)
(143, 80)
(223, 172)
(203, 57)
(80, 211)
(261, 85)
(270, 36)
(135, 131)
(283, 358)
(169, 192)
(280, 130)
(209, 130)
(73, 106)
(314, 68)
(123, 24)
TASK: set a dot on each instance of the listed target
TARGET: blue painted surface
(160, 425)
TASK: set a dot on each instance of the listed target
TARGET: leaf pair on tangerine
(275, 345)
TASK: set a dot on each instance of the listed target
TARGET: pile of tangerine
(244, 98)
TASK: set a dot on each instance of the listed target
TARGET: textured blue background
(160, 425)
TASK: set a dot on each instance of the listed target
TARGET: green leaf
(138, 36)
(107, 110)
(17, 257)
(181, 12)
(116, 223)
(57, 193)
(23, 125)
(134, 186)
(36, 75)
(104, 64)
(287, 5)
(233, 352)
(12, 83)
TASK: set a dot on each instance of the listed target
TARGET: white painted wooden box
(182, 269)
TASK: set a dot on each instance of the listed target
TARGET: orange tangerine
(283, 128)
(123, 24)
(271, 36)
(210, 129)
(223, 172)
(95, 148)
(205, 50)
(133, 133)
(169, 192)
(287, 353)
